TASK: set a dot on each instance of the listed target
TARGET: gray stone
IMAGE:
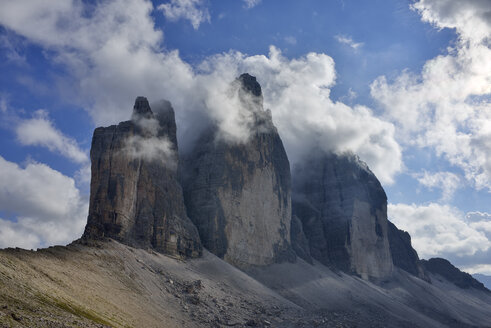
(299, 241)
(403, 254)
(238, 194)
(343, 209)
(446, 270)
(135, 196)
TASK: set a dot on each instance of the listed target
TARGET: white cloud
(471, 18)
(251, 3)
(480, 221)
(479, 268)
(290, 40)
(446, 181)
(39, 131)
(48, 207)
(150, 145)
(348, 41)
(298, 93)
(11, 48)
(439, 230)
(447, 106)
(115, 53)
(192, 10)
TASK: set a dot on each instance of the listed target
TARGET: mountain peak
(142, 107)
(250, 84)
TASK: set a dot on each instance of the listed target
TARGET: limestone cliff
(135, 196)
(343, 210)
(238, 194)
(403, 254)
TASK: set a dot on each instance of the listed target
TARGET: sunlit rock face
(135, 196)
(403, 254)
(238, 193)
(343, 209)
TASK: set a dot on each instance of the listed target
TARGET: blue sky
(404, 84)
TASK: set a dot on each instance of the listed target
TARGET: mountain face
(244, 207)
(135, 196)
(343, 209)
(403, 254)
(238, 194)
(446, 270)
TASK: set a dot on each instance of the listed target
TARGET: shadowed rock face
(238, 193)
(403, 254)
(300, 243)
(135, 196)
(343, 210)
(445, 269)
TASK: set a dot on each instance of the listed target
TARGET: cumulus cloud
(297, 91)
(471, 18)
(440, 230)
(348, 41)
(48, 207)
(251, 3)
(192, 10)
(39, 131)
(120, 33)
(447, 106)
(446, 181)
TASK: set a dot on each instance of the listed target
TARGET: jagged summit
(250, 84)
(141, 108)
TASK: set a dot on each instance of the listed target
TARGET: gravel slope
(109, 284)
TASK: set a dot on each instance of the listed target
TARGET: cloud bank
(121, 33)
(447, 107)
(48, 207)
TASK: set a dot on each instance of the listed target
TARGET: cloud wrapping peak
(94, 49)
(192, 10)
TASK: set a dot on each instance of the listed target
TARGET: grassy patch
(75, 310)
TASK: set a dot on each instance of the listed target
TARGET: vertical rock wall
(343, 210)
(403, 254)
(135, 195)
(239, 193)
